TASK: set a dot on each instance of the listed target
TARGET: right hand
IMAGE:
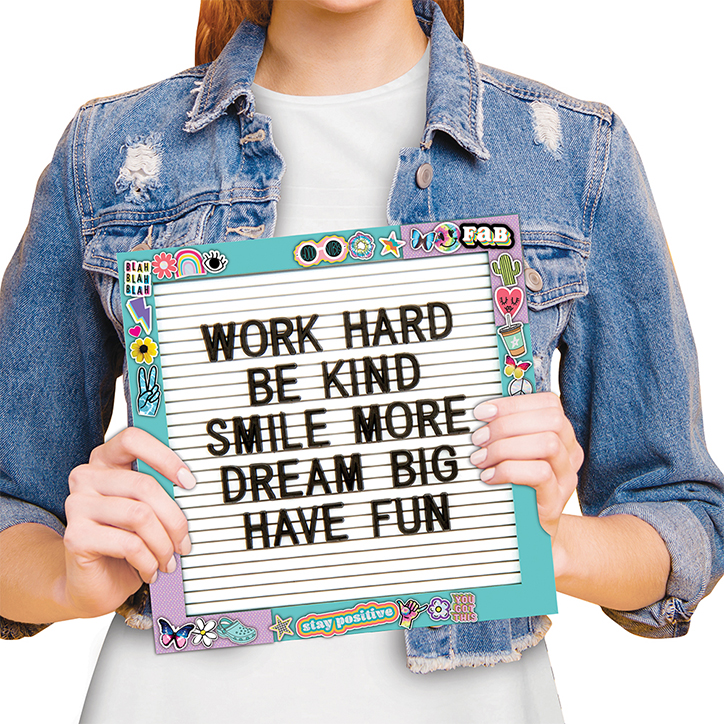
(122, 525)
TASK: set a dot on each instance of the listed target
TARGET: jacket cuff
(691, 561)
(14, 511)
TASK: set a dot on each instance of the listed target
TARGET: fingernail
(487, 474)
(486, 411)
(171, 565)
(481, 436)
(185, 547)
(479, 456)
(186, 478)
(154, 577)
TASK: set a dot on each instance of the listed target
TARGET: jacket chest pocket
(555, 277)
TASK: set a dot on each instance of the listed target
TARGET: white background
(656, 63)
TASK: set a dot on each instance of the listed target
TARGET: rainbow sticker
(189, 263)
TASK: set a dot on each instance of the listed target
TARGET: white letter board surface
(321, 388)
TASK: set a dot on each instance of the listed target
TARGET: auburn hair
(218, 19)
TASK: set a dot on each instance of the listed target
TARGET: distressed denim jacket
(188, 161)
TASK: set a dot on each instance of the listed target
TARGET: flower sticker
(164, 265)
(144, 350)
(214, 261)
(438, 609)
(203, 632)
(361, 246)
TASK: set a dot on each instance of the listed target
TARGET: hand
(122, 526)
(528, 440)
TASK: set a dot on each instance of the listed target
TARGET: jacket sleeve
(629, 384)
(59, 354)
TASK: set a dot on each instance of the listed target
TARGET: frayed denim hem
(454, 660)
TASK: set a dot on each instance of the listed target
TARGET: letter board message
(321, 389)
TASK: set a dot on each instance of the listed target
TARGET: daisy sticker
(144, 350)
(204, 633)
(164, 265)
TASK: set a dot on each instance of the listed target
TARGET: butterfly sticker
(169, 635)
(515, 369)
(426, 241)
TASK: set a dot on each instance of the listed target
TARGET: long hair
(218, 19)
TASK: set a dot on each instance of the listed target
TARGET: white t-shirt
(341, 152)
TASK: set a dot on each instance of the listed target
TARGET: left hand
(528, 440)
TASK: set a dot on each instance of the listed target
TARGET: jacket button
(533, 280)
(423, 175)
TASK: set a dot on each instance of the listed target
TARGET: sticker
(149, 392)
(214, 261)
(391, 245)
(137, 278)
(513, 339)
(331, 248)
(203, 633)
(361, 246)
(508, 301)
(447, 237)
(409, 612)
(363, 615)
(426, 241)
(164, 265)
(484, 235)
(169, 635)
(236, 631)
(520, 387)
(282, 627)
(515, 369)
(141, 312)
(144, 350)
(438, 609)
(463, 608)
(189, 263)
(135, 331)
(507, 269)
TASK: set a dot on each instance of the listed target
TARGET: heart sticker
(509, 300)
(135, 331)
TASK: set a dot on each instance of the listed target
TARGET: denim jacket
(188, 161)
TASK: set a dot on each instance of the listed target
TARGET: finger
(136, 517)
(539, 446)
(527, 422)
(88, 488)
(132, 444)
(142, 386)
(152, 377)
(91, 540)
(516, 403)
(551, 493)
(536, 474)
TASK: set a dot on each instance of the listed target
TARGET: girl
(563, 466)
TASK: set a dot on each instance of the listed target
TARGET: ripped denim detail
(141, 169)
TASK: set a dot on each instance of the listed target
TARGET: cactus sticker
(507, 269)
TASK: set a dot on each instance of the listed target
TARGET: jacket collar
(454, 92)
(228, 79)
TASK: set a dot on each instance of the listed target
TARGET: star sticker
(392, 245)
(281, 626)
